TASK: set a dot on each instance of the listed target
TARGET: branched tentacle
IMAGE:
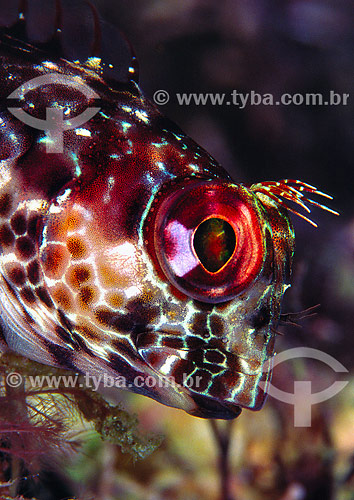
(293, 318)
(292, 190)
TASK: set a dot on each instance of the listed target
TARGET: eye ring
(177, 219)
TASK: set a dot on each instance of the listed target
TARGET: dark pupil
(214, 243)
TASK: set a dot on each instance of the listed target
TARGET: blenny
(131, 252)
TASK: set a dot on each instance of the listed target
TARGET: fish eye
(209, 240)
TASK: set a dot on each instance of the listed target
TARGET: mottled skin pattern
(81, 285)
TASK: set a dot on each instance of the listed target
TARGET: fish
(126, 251)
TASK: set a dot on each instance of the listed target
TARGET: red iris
(209, 239)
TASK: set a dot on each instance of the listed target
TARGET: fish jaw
(223, 359)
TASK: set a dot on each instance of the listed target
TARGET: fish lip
(204, 408)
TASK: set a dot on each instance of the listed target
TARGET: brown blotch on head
(63, 297)
(5, 204)
(18, 223)
(28, 295)
(216, 326)
(199, 326)
(87, 295)
(197, 356)
(261, 317)
(219, 389)
(74, 222)
(76, 247)
(44, 296)
(25, 249)
(181, 369)
(32, 226)
(54, 259)
(195, 343)
(213, 368)
(115, 300)
(122, 323)
(7, 237)
(142, 311)
(203, 379)
(89, 332)
(214, 356)
(16, 274)
(77, 275)
(203, 306)
(104, 316)
(173, 342)
(33, 272)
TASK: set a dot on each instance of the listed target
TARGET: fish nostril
(261, 318)
(214, 243)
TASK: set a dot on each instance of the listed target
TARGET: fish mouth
(218, 384)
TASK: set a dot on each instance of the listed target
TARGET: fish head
(221, 261)
(130, 255)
